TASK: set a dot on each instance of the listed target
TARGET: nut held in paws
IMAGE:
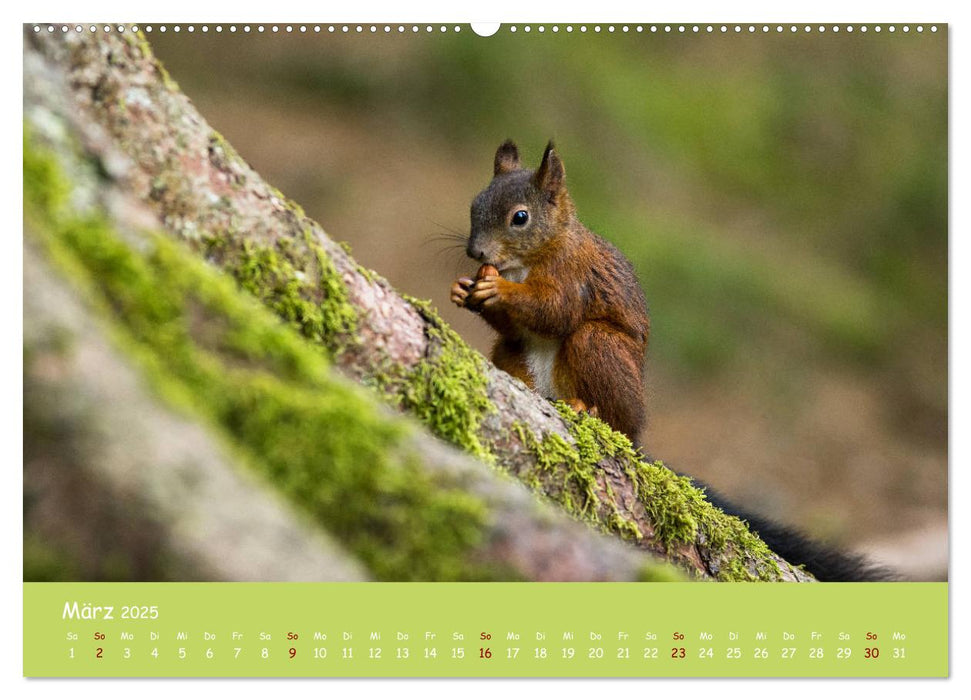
(487, 269)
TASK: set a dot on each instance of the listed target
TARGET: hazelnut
(485, 270)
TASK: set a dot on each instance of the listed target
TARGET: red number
(100, 652)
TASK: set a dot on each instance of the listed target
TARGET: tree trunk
(152, 152)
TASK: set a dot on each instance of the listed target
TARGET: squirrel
(573, 323)
(570, 313)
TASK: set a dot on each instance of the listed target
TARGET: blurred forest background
(782, 196)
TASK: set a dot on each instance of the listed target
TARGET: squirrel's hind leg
(604, 368)
(580, 406)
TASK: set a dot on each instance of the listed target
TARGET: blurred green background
(782, 196)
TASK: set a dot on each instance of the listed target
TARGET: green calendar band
(485, 630)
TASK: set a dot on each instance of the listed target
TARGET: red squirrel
(573, 324)
(570, 313)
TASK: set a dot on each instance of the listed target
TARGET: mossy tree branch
(203, 193)
(177, 505)
(155, 391)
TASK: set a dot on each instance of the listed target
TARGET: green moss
(367, 273)
(338, 316)
(44, 184)
(270, 275)
(316, 438)
(678, 510)
(681, 513)
(595, 439)
(447, 391)
(574, 484)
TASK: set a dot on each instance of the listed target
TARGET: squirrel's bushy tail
(823, 562)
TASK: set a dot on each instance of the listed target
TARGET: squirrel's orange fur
(569, 311)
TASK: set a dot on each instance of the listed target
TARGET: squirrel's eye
(520, 218)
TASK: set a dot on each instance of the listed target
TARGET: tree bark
(133, 489)
(134, 123)
(126, 486)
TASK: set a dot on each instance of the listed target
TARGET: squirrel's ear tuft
(507, 158)
(551, 173)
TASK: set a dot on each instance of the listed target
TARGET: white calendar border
(437, 11)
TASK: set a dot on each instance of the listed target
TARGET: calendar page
(509, 350)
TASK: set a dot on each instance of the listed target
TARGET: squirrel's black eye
(520, 218)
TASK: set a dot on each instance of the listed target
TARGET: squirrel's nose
(475, 251)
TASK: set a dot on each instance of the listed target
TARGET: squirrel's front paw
(460, 290)
(485, 292)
